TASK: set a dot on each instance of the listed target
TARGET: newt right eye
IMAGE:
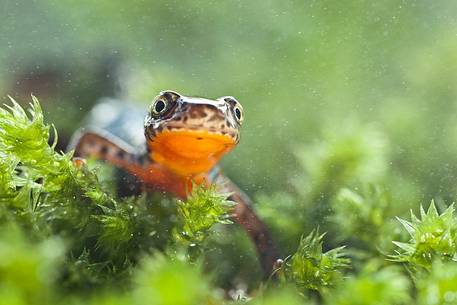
(159, 107)
(163, 103)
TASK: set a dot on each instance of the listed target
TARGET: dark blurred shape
(37, 80)
(46, 78)
(67, 89)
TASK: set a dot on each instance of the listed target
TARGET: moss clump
(433, 236)
(65, 238)
(312, 268)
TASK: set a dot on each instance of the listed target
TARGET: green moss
(65, 238)
(312, 268)
(201, 211)
(433, 236)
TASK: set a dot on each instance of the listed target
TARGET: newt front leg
(246, 217)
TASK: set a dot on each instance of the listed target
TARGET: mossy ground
(65, 238)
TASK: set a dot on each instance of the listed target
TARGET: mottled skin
(185, 138)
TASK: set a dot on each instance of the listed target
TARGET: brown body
(185, 139)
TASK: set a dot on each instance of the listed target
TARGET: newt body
(183, 138)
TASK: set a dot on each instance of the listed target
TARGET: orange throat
(189, 152)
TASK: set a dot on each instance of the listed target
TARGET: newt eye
(236, 108)
(164, 103)
(159, 107)
(238, 114)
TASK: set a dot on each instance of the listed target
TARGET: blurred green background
(336, 93)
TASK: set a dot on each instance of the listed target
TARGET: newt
(184, 139)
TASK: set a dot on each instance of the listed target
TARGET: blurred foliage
(280, 296)
(350, 121)
(27, 270)
(373, 285)
(298, 67)
(439, 286)
(364, 219)
(172, 282)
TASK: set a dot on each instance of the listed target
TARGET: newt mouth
(189, 152)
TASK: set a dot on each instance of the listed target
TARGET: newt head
(188, 135)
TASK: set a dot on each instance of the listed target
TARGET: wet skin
(185, 138)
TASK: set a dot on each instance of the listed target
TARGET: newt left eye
(238, 113)
(235, 107)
